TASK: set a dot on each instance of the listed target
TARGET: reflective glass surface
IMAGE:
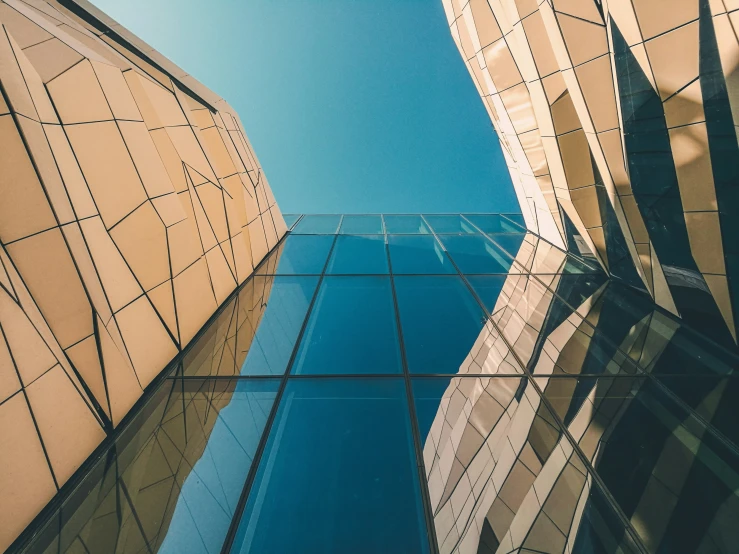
(405, 224)
(491, 444)
(318, 224)
(290, 219)
(300, 255)
(665, 470)
(574, 288)
(711, 398)
(493, 223)
(516, 218)
(172, 481)
(361, 225)
(278, 328)
(578, 265)
(488, 288)
(338, 474)
(351, 329)
(411, 255)
(453, 224)
(359, 254)
(570, 415)
(440, 321)
(476, 254)
(510, 242)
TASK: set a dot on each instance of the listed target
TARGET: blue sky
(351, 105)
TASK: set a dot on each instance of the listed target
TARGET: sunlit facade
(131, 206)
(618, 122)
(407, 383)
(185, 370)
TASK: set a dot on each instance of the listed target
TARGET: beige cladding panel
(108, 191)
(568, 107)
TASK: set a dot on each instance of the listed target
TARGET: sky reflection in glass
(351, 329)
(339, 469)
(440, 320)
(275, 338)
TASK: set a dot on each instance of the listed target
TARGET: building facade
(618, 120)
(185, 370)
(406, 383)
(131, 206)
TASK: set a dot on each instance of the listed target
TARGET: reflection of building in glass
(537, 406)
(131, 206)
(502, 475)
(176, 375)
(618, 123)
(173, 479)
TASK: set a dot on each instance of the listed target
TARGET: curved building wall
(618, 123)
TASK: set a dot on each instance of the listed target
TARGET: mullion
(228, 542)
(417, 446)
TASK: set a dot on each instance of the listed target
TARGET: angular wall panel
(620, 118)
(131, 205)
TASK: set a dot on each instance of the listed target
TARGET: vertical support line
(295, 223)
(625, 521)
(420, 466)
(233, 528)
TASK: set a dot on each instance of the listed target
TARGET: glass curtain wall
(421, 383)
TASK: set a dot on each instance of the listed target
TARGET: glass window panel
(453, 224)
(488, 288)
(290, 219)
(575, 265)
(359, 254)
(516, 218)
(668, 347)
(491, 443)
(277, 330)
(430, 392)
(410, 224)
(361, 225)
(268, 265)
(551, 337)
(493, 223)
(713, 398)
(299, 254)
(536, 255)
(476, 254)
(338, 473)
(440, 320)
(410, 254)
(318, 224)
(663, 468)
(599, 528)
(575, 350)
(575, 288)
(212, 354)
(511, 243)
(174, 476)
(351, 329)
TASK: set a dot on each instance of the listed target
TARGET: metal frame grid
(533, 380)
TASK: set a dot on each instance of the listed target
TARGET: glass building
(421, 383)
(183, 369)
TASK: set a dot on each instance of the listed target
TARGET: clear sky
(351, 105)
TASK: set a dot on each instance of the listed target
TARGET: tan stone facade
(131, 206)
